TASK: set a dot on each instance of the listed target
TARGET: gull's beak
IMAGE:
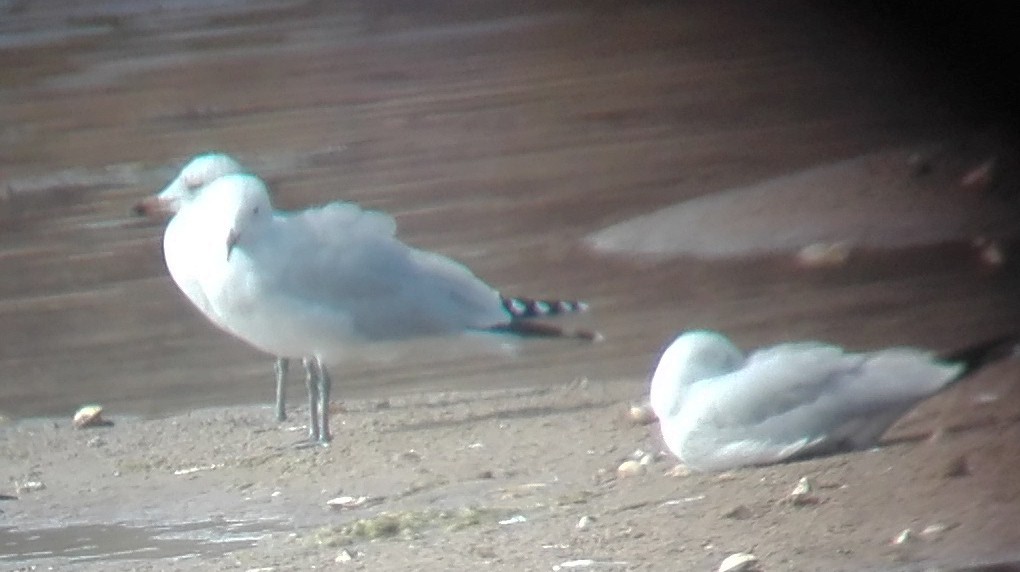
(232, 238)
(154, 208)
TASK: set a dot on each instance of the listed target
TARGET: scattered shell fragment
(30, 486)
(584, 522)
(630, 468)
(801, 494)
(957, 467)
(349, 502)
(343, 556)
(191, 470)
(739, 562)
(684, 500)
(89, 416)
(641, 413)
(586, 563)
(803, 487)
(515, 519)
(934, 530)
(903, 537)
(824, 254)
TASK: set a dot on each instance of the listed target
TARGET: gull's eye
(255, 210)
(192, 183)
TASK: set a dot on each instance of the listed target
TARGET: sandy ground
(503, 480)
(502, 136)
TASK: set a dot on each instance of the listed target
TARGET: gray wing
(347, 263)
(813, 392)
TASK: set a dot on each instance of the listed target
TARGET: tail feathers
(976, 356)
(528, 308)
(527, 329)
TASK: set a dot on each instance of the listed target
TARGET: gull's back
(321, 280)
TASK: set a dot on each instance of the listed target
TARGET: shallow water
(496, 136)
(81, 543)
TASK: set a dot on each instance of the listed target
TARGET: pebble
(585, 522)
(89, 416)
(630, 468)
(680, 470)
(641, 413)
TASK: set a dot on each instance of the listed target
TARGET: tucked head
(692, 357)
(200, 171)
(232, 208)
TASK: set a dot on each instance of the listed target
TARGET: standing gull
(719, 410)
(200, 171)
(329, 283)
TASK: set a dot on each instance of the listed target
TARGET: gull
(719, 410)
(200, 171)
(334, 282)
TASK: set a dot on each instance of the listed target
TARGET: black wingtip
(527, 329)
(976, 356)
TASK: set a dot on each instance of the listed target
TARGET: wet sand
(500, 136)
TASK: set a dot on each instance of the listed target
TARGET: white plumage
(719, 410)
(330, 282)
(200, 171)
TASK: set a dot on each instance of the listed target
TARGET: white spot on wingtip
(516, 307)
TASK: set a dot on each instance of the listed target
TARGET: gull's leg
(324, 386)
(281, 366)
(312, 383)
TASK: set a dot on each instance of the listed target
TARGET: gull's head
(199, 172)
(237, 204)
(693, 356)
